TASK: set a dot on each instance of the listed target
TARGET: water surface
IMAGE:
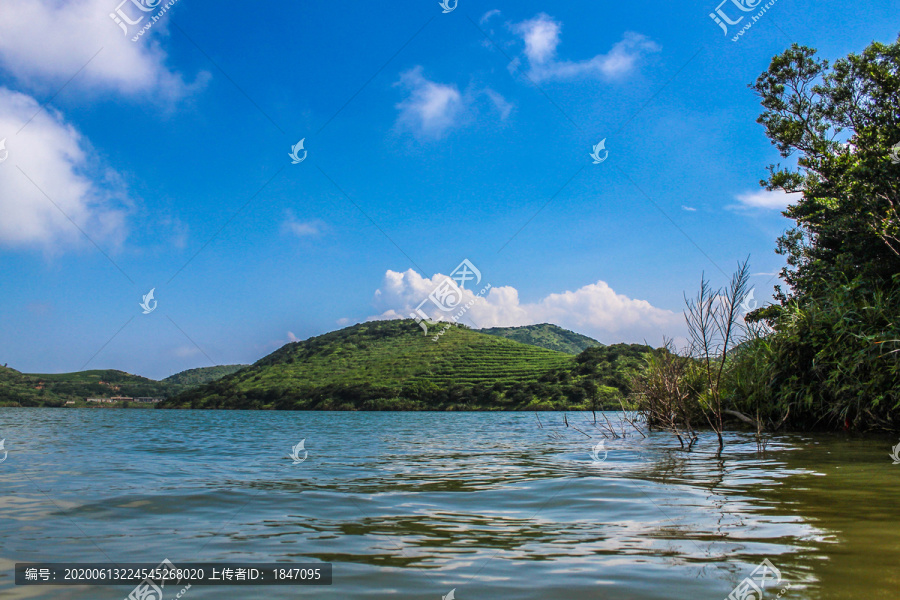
(412, 505)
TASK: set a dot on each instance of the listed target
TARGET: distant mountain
(547, 336)
(193, 377)
(35, 389)
(391, 365)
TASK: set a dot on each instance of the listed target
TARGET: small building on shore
(146, 400)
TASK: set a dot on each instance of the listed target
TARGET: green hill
(193, 377)
(36, 389)
(547, 336)
(391, 365)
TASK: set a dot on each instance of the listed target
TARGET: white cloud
(44, 43)
(431, 108)
(186, 351)
(775, 200)
(47, 44)
(301, 228)
(53, 154)
(292, 337)
(595, 309)
(176, 230)
(503, 107)
(488, 16)
(688, 208)
(541, 36)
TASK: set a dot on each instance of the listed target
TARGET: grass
(547, 336)
(392, 365)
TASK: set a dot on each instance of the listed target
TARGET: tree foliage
(840, 122)
(830, 359)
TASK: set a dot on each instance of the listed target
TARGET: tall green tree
(833, 357)
(840, 122)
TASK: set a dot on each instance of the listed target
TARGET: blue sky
(431, 137)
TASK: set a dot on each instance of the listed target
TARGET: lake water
(412, 505)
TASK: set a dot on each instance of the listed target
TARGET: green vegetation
(547, 336)
(193, 377)
(827, 355)
(390, 365)
(674, 392)
(29, 389)
(831, 358)
(23, 389)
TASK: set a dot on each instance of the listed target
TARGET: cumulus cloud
(48, 44)
(541, 36)
(431, 108)
(594, 309)
(775, 200)
(53, 155)
(49, 41)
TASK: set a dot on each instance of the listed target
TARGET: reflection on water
(411, 505)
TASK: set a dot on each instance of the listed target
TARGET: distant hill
(193, 377)
(35, 389)
(391, 365)
(547, 336)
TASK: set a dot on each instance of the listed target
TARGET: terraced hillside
(201, 375)
(546, 335)
(391, 365)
